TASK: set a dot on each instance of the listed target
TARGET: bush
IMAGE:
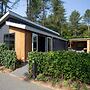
(61, 65)
(7, 57)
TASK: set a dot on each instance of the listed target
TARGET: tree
(57, 18)
(1, 8)
(45, 6)
(87, 18)
(82, 30)
(74, 22)
(33, 9)
(5, 4)
(39, 11)
(36, 10)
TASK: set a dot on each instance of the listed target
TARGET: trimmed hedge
(61, 65)
(7, 57)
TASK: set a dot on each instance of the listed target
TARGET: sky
(79, 5)
(69, 5)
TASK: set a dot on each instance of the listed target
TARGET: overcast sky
(70, 5)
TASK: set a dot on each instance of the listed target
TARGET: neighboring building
(24, 36)
(80, 44)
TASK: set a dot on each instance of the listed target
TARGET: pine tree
(45, 6)
(33, 9)
(6, 4)
(74, 22)
(57, 18)
(87, 19)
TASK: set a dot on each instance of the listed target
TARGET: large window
(49, 44)
(9, 40)
(34, 42)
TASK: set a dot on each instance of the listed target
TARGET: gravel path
(8, 82)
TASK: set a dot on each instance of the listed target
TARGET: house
(24, 36)
(80, 44)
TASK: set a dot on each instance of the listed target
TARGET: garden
(71, 68)
(60, 68)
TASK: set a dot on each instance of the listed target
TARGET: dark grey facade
(59, 44)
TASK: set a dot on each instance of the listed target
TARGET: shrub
(61, 65)
(7, 57)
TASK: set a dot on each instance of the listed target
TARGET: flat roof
(32, 24)
(14, 15)
(79, 39)
(25, 27)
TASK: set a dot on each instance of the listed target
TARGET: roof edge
(22, 26)
(19, 16)
(4, 16)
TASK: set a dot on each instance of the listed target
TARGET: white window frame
(34, 35)
(46, 44)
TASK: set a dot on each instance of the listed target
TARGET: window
(49, 44)
(9, 40)
(34, 42)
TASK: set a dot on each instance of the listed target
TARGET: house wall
(19, 42)
(59, 44)
(88, 46)
(3, 30)
(23, 42)
(28, 42)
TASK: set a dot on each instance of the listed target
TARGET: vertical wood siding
(23, 42)
(19, 42)
(28, 42)
(88, 46)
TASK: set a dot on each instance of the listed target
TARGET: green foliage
(56, 19)
(33, 9)
(7, 57)
(42, 77)
(84, 87)
(87, 20)
(51, 14)
(3, 47)
(75, 86)
(87, 16)
(65, 82)
(74, 21)
(37, 11)
(7, 4)
(61, 65)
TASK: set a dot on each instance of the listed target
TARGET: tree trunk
(27, 5)
(43, 17)
(1, 3)
(88, 27)
(5, 9)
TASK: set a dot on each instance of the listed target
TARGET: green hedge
(7, 57)
(61, 65)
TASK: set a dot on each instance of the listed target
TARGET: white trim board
(3, 17)
(22, 26)
(36, 35)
